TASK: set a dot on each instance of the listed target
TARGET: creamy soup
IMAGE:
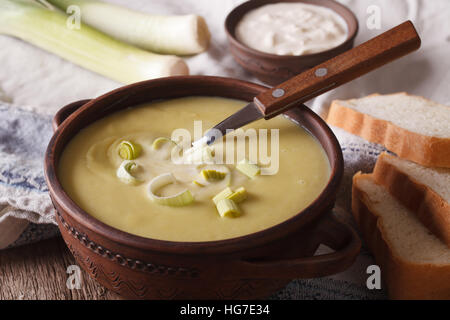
(89, 164)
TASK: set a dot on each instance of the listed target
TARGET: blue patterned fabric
(24, 136)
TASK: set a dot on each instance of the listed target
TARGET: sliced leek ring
(199, 155)
(125, 170)
(213, 175)
(228, 208)
(129, 150)
(251, 170)
(222, 195)
(239, 195)
(180, 199)
(158, 142)
(198, 184)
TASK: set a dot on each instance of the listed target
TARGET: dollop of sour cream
(292, 29)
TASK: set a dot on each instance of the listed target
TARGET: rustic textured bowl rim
(308, 214)
(232, 38)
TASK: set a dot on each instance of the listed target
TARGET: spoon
(385, 48)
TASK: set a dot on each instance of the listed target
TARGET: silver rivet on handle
(277, 93)
(321, 72)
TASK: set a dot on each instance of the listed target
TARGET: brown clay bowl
(252, 266)
(275, 69)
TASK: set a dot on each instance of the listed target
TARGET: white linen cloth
(34, 80)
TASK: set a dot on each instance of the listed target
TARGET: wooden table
(38, 271)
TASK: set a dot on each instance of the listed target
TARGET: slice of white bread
(414, 263)
(413, 127)
(424, 191)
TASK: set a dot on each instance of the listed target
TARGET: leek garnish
(228, 208)
(159, 142)
(213, 175)
(198, 184)
(129, 150)
(87, 47)
(199, 155)
(239, 195)
(180, 35)
(222, 195)
(251, 170)
(125, 170)
(182, 198)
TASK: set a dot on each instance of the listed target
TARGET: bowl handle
(66, 111)
(329, 231)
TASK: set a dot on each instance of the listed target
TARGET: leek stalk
(87, 47)
(175, 34)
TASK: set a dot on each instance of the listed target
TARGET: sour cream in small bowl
(291, 28)
(275, 40)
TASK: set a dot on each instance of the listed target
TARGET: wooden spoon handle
(333, 73)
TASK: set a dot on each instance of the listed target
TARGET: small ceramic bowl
(274, 69)
(247, 267)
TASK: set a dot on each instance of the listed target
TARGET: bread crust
(431, 209)
(425, 150)
(403, 279)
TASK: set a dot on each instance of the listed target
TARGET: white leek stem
(87, 47)
(180, 35)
